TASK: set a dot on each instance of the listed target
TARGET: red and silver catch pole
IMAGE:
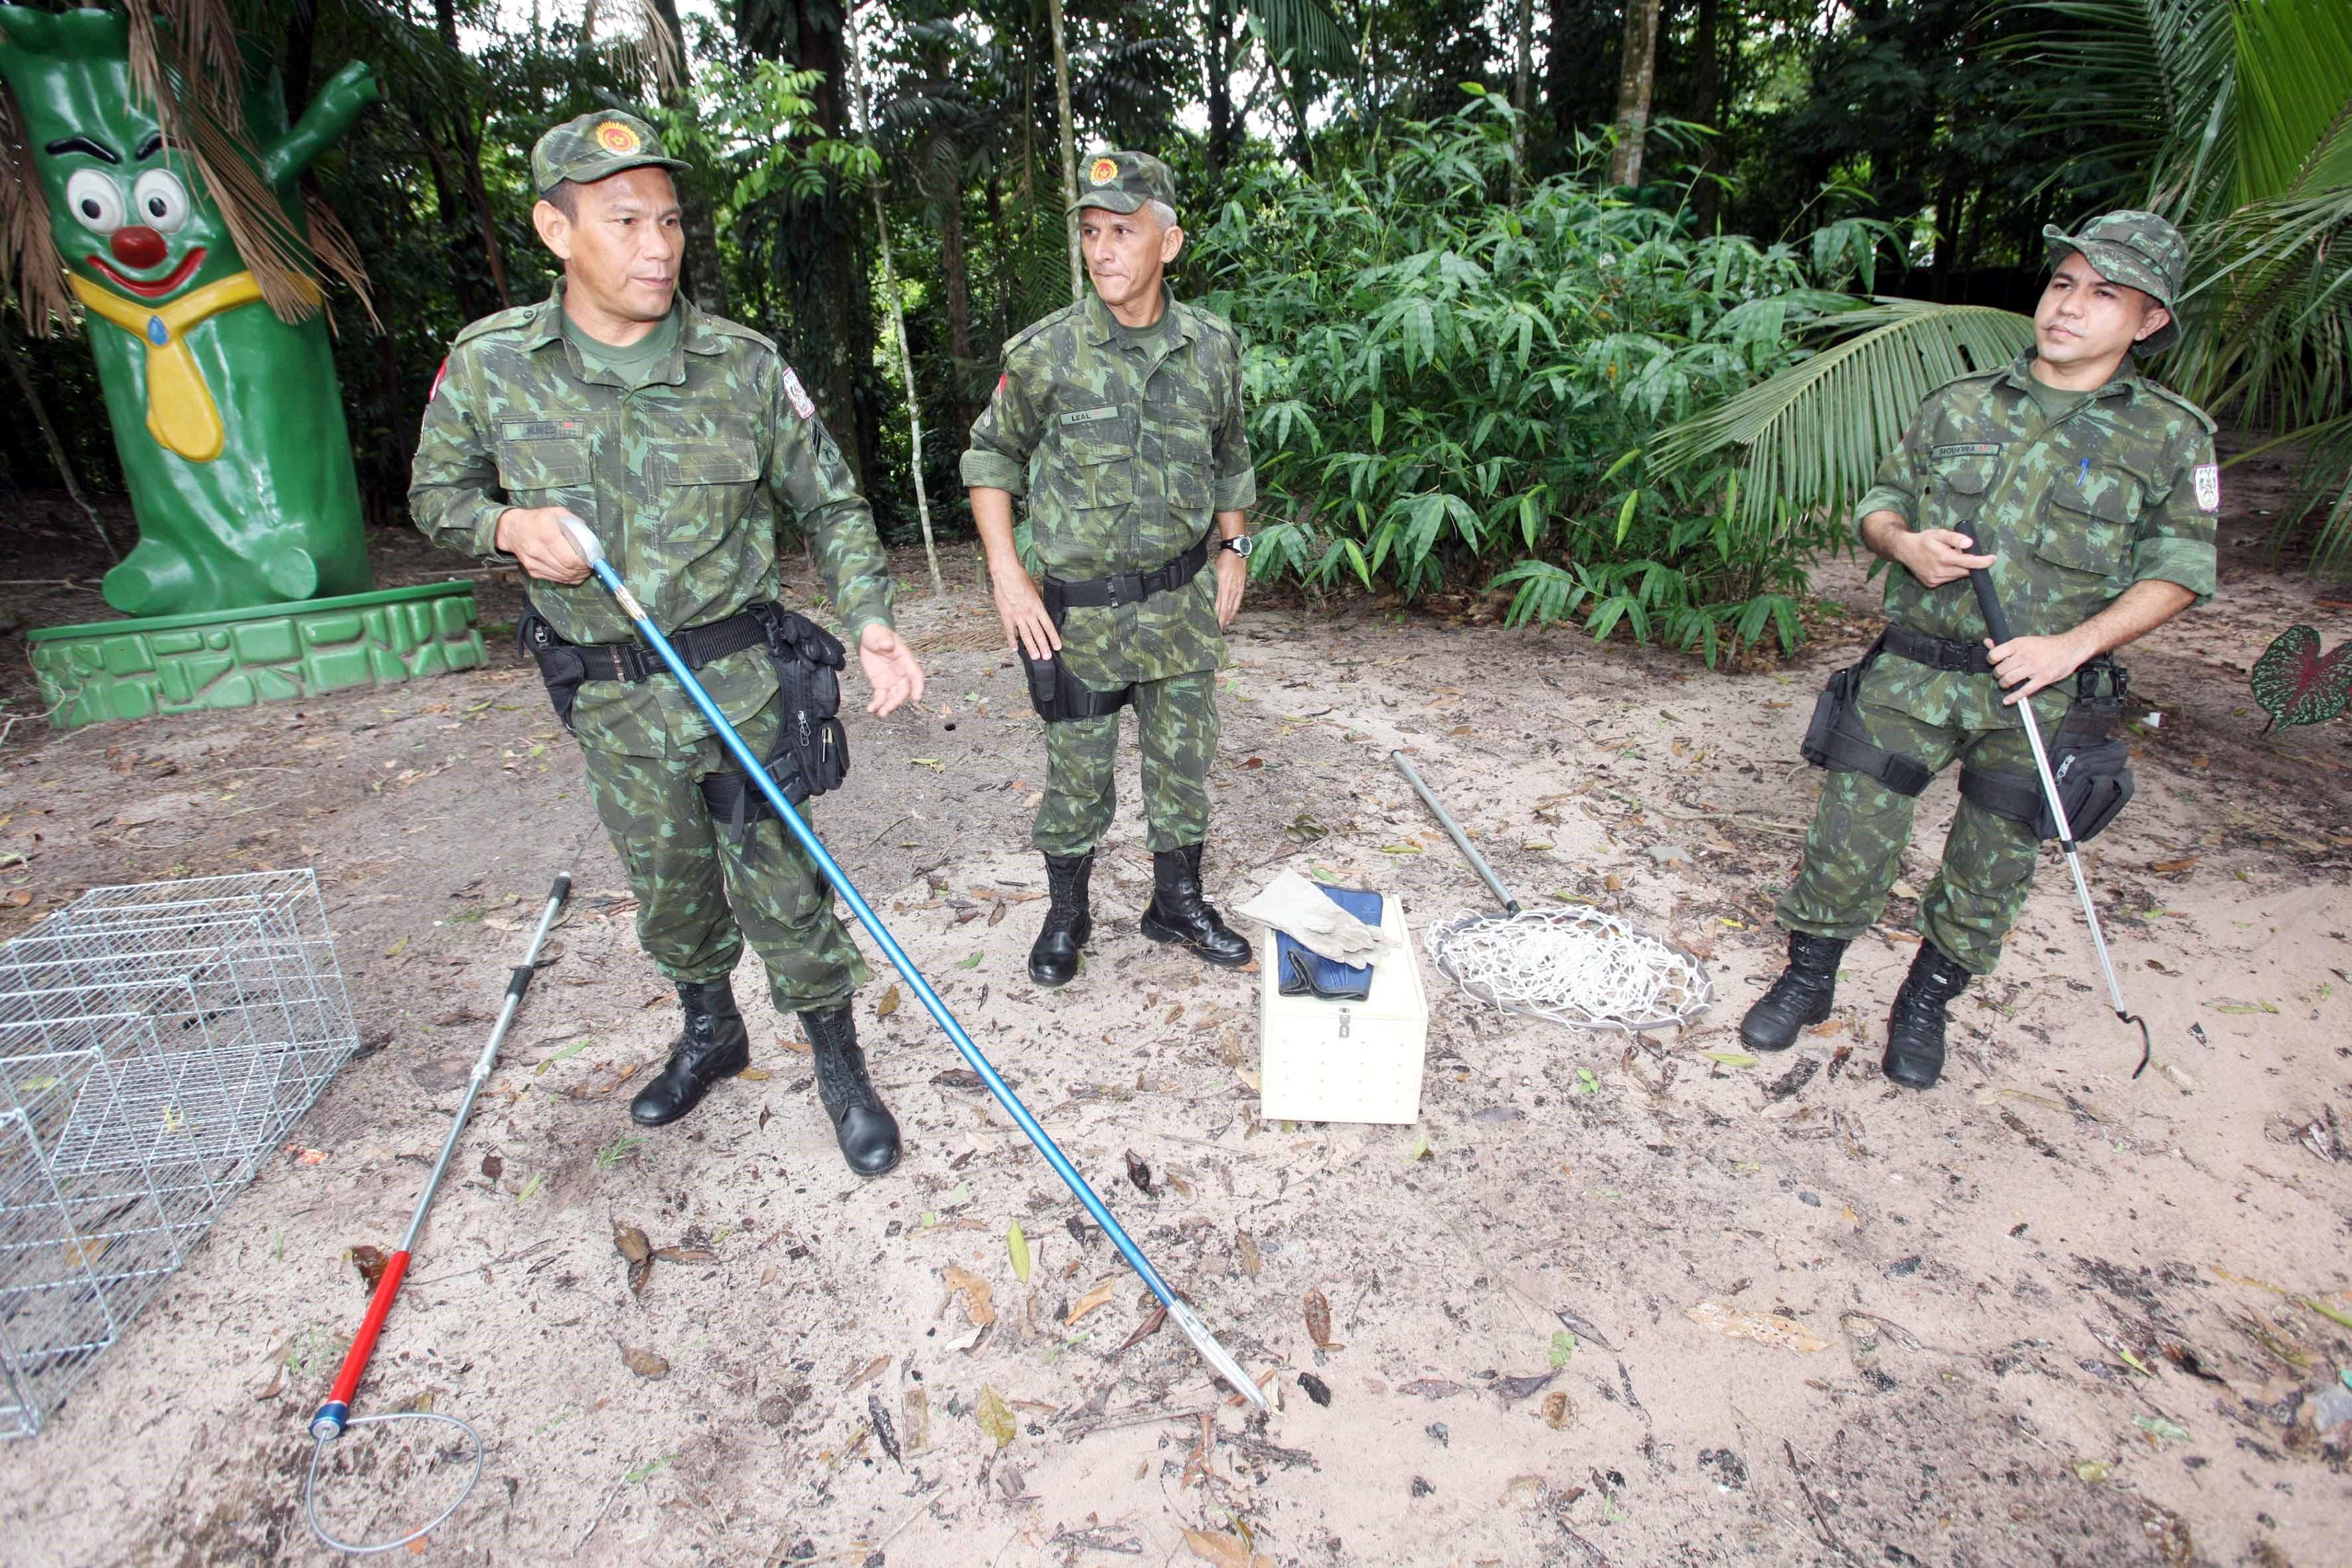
(335, 1416)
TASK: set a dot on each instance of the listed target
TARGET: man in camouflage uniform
(1120, 419)
(2090, 494)
(673, 435)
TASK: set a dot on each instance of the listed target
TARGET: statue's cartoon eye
(160, 201)
(96, 201)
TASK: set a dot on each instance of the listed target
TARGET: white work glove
(1297, 907)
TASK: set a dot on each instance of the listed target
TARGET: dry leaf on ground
(1764, 1328)
(976, 1292)
(1319, 1320)
(371, 1262)
(1100, 1296)
(648, 1365)
(996, 1419)
(889, 1004)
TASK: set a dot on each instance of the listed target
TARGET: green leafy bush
(1448, 390)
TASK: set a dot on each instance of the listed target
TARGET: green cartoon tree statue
(221, 387)
(148, 173)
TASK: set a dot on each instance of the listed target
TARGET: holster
(1057, 695)
(1834, 738)
(2089, 763)
(1053, 691)
(811, 751)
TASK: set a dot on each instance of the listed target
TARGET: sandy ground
(2043, 1314)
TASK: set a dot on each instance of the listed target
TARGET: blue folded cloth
(1303, 972)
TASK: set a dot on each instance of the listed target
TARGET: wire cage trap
(156, 1042)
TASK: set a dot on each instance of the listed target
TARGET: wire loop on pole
(310, 1486)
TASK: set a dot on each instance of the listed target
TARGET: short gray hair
(1162, 212)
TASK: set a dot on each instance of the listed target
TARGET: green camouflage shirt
(2119, 489)
(1127, 452)
(679, 478)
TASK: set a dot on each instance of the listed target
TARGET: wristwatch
(1240, 544)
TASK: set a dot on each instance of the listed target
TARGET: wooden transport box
(1346, 1061)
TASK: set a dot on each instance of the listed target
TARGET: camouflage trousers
(1176, 720)
(698, 894)
(1856, 847)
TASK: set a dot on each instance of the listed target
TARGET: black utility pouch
(2094, 779)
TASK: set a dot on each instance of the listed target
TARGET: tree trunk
(1706, 106)
(1216, 54)
(22, 376)
(704, 281)
(962, 366)
(1522, 84)
(468, 278)
(1004, 254)
(1637, 71)
(841, 292)
(1069, 150)
(465, 123)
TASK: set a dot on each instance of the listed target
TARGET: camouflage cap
(596, 146)
(1123, 182)
(2137, 249)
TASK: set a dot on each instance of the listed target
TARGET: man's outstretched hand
(891, 668)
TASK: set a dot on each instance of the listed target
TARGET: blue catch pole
(1182, 1315)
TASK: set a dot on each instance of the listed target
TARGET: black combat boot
(713, 1046)
(864, 1129)
(1915, 1025)
(1178, 913)
(1799, 998)
(1069, 923)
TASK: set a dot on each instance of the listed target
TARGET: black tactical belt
(697, 646)
(1939, 653)
(1126, 587)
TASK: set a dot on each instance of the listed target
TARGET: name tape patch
(1088, 416)
(2209, 487)
(798, 394)
(1969, 449)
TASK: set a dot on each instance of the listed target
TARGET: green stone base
(140, 668)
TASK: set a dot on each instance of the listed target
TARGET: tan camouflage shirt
(2120, 489)
(679, 478)
(1126, 451)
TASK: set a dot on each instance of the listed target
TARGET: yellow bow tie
(181, 414)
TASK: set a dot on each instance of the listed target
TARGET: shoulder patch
(2208, 478)
(802, 403)
(503, 320)
(439, 377)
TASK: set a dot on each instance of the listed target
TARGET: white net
(1577, 965)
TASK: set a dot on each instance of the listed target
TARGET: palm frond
(1305, 33)
(2293, 75)
(1814, 434)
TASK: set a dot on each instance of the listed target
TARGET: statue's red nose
(136, 245)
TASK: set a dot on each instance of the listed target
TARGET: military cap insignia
(616, 137)
(794, 390)
(2209, 487)
(1103, 170)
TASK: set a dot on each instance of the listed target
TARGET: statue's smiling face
(124, 215)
